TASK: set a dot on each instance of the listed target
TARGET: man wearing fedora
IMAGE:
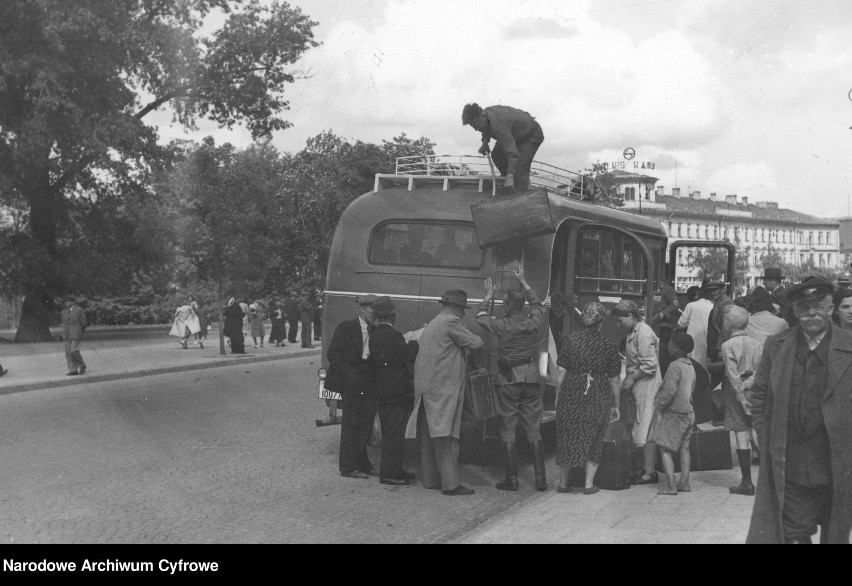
(440, 372)
(519, 395)
(772, 279)
(800, 403)
(353, 375)
(392, 358)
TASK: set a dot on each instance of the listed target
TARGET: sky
(746, 97)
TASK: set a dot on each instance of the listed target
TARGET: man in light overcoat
(440, 372)
(801, 402)
(73, 326)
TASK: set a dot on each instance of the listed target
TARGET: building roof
(722, 209)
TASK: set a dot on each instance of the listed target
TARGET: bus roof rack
(449, 170)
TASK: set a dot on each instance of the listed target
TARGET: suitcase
(479, 401)
(709, 450)
(614, 468)
(514, 217)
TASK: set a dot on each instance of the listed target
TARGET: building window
(828, 237)
(819, 237)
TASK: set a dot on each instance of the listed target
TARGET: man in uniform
(772, 279)
(353, 375)
(74, 325)
(440, 372)
(518, 137)
(800, 402)
(519, 394)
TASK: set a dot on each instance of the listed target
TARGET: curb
(148, 372)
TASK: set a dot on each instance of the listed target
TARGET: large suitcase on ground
(709, 449)
(514, 217)
(614, 468)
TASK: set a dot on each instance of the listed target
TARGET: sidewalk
(42, 365)
(708, 514)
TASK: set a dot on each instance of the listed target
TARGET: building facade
(763, 233)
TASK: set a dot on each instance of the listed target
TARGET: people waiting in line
(588, 398)
(696, 316)
(674, 419)
(763, 323)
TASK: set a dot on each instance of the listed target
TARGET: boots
(511, 457)
(538, 466)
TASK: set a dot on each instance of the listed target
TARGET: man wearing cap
(440, 372)
(392, 358)
(519, 394)
(772, 279)
(518, 137)
(801, 403)
(643, 380)
(74, 325)
(354, 374)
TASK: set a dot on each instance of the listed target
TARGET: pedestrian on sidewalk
(589, 398)
(440, 372)
(185, 324)
(674, 419)
(306, 314)
(353, 375)
(279, 328)
(233, 327)
(74, 325)
(203, 321)
(800, 402)
(393, 359)
(291, 310)
(317, 314)
(519, 395)
(256, 318)
(642, 381)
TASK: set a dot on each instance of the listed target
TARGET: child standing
(741, 357)
(675, 418)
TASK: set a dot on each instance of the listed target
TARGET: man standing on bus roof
(440, 372)
(518, 137)
(519, 394)
(349, 360)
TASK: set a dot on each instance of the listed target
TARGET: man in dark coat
(800, 402)
(718, 294)
(518, 137)
(349, 362)
(772, 279)
(291, 309)
(306, 313)
(392, 358)
(233, 328)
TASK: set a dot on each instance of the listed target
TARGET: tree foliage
(77, 80)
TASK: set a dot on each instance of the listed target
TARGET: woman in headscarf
(234, 326)
(588, 399)
(843, 308)
(185, 324)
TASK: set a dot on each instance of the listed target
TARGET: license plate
(326, 394)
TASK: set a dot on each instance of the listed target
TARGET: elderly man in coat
(439, 379)
(801, 402)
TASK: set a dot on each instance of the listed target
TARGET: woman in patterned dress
(588, 399)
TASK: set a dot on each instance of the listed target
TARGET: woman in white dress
(694, 320)
(186, 323)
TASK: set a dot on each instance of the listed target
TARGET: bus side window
(609, 261)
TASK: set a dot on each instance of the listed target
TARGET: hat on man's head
(384, 307)
(470, 113)
(713, 286)
(368, 299)
(455, 297)
(683, 342)
(773, 274)
(625, 308)
(810, 289)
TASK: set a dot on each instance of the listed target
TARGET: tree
(77, 79)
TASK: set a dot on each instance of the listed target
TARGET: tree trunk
(35, 317)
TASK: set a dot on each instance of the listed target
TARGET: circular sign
(850, 95)
(629, 153)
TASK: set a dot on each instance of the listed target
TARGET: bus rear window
(610, 262)
(425, 245)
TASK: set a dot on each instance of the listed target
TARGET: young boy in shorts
(741, 357)
(675, 418)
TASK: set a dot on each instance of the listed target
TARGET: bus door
(691, 262)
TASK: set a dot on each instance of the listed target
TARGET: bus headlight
(321, 373)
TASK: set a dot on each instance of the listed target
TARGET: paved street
(227, 454)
